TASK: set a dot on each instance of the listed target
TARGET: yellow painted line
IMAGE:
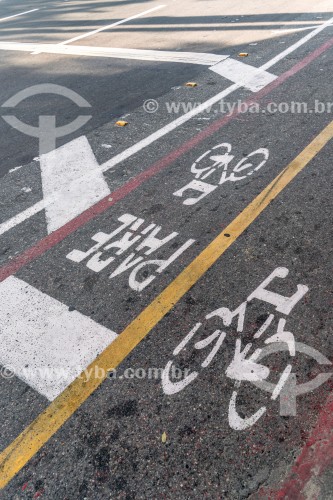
(29, 442)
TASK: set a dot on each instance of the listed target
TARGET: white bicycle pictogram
(216, 163)
(245, 366)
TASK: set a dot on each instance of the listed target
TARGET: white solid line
(139, 54)
(23, 216)
(116, 160)
(165, 130)
(111, 25)
(20, 14)
(296, 45)
(44, 343)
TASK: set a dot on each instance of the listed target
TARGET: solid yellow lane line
(27, 444)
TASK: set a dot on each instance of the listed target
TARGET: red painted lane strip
(60, 234)
(315, 457)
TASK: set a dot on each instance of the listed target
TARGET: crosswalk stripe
(64, 177)
(42, 341)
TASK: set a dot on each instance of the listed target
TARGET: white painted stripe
(20, 14)
(291, 30)
(23, 216)
(113, 25)
(296, 45)
(139, 54)
(44, 343)
(64, 177)
(116, 160)
(124, 155)
(248, 76)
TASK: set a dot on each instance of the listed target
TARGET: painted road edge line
(60, 234)
(142, 144)
(30, 441)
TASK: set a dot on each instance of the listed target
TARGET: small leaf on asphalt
(164, 437)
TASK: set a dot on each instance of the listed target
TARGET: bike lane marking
(88, 348)
(60, 234)
(29, 442)
(42, 204)
(122, 287)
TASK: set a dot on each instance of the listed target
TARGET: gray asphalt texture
(112, 446)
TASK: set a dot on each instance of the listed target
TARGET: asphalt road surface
(166, 250)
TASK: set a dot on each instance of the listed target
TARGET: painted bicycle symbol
(246, 364)
(215, 165)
